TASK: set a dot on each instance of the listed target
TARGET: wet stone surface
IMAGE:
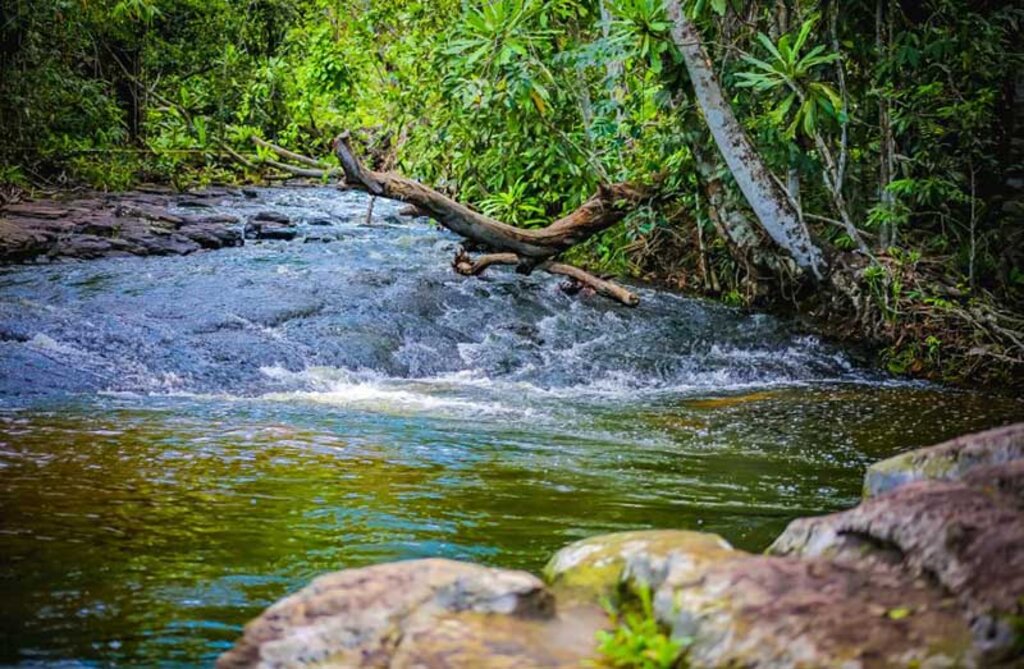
(148, 222)
(97, 226)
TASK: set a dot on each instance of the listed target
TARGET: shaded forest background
(893, 126)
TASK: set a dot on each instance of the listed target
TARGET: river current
(184, 440)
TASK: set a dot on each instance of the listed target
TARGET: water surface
(185, 440)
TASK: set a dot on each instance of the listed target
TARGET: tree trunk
(773, 209)
(887, 151)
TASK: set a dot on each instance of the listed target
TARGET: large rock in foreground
(420, 613)
(965, 536)
(948, 461)
(744, 610)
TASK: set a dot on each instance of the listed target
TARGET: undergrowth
(638, 640)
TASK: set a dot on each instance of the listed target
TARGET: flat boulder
(428, 613)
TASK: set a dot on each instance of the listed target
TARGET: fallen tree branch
(298, 171)
(606, 208)
(467, 266)
(527, 249)
(294, 157)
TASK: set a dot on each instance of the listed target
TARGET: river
(184, 440)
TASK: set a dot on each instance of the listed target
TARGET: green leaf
(767, 44)
(805, 31)
(898, 613)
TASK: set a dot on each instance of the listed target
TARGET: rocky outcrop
(927, 573)
(744, 610)
(138, 223)
(948, 461)
(420, 613)
(966, 536)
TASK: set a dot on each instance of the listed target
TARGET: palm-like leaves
(505, 43)
(787, 68)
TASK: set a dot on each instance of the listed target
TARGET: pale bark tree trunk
(772, 207)
(887, 153)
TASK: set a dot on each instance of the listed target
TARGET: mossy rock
(594, 568)
(948, 461)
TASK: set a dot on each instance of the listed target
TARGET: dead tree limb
(314, 169)
(527, 249)
(292, 156)
(297, 171)
(468, 266)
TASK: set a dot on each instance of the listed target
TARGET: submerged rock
(272, 217)
(267, 229)
(948, 461)
(420, 613)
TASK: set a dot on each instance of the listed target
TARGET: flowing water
(184, 440)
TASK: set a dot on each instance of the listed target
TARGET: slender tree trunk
(613, 68)
(772, 207)
(887, 153)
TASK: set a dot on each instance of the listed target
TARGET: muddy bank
(929, 573)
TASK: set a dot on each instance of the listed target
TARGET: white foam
(371, 391)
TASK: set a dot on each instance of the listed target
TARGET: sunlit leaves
(141, 11)
(793, 73)
(506, 43)
(643, 26)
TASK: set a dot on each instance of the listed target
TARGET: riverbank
(927, 571)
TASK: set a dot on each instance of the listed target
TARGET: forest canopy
(893, 129)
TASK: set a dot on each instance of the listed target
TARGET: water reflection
(147, 530)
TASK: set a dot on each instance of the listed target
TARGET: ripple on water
(184, 440)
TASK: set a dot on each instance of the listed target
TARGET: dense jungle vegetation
(892, 127)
